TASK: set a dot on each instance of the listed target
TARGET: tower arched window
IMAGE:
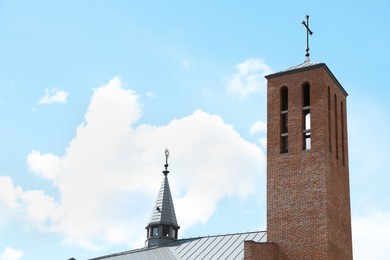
(306, 117)
(284, 120)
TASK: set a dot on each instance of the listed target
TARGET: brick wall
(308, 204)
(264, 251)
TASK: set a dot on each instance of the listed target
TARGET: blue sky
(91, 92)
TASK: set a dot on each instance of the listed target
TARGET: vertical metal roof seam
(200, 250)
(234, 240)
(230, 237)
(185, 245)
(219, 241)
(197, 241)
(213, 238)
(261, 238)
(237, 254)
(203, 241)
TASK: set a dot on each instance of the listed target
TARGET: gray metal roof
(297, 68)
(307, 66)
(229, 247)
(304, 65)
(164, 211)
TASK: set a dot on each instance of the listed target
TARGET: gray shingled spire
(164, 211)
(162, 227)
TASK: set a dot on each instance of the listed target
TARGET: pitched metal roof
(224, 247)
(307, 66)
(300, 67)
(164, 211)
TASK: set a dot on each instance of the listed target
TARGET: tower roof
(307, 66)
(164, 211)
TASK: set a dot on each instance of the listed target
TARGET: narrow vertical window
(165, 231)
(342, 132)
(155, 232)
(306, 95)
(284, 93)
(336, 127)
(284, 123)
(306, 118)
(284, 120)
(329, 123)
(306, 131)
(284, 144)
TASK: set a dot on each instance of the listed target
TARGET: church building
(308, 197)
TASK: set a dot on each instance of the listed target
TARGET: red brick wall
(264, 251)
(308, 204)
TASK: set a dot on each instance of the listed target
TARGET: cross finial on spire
(308, 32)
(166, 162)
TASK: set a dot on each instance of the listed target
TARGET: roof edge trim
(299, 68)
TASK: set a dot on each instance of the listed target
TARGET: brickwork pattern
(264, 251)
(308, 203)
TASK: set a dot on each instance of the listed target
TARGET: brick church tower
(308, 201)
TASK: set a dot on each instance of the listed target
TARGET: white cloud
(248, 78)
(112, 169)
(34, 206)
(371, 236)
(8, 193)
(50, 162)
(10, 253)
(40, 208)
(258, 127)
(54, 96)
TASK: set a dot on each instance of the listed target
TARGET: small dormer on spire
(163, 227)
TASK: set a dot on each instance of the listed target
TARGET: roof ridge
(220, 235)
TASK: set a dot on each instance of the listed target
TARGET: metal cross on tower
(308, 32)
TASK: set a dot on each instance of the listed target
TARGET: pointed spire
(164, 211)
(163, 227)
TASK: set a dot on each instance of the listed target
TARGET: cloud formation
(260, 128)
(53, 96)
(33, 207)
(112, 169)
(8, 198)
(10, 253)
(371, 236)
(248, 78)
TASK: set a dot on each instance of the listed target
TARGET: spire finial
(166, 162)
(308, 32)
